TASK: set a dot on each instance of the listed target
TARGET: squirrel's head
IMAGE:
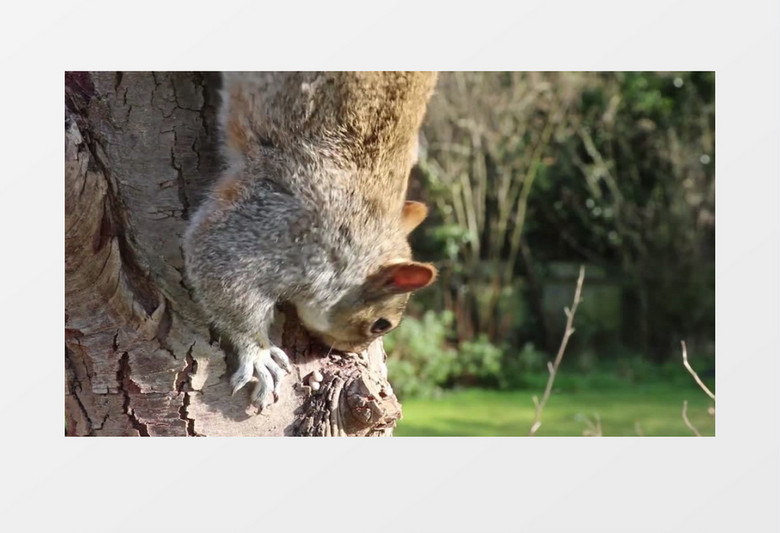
(373, 308)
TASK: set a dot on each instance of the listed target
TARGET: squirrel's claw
(261, 394)
(277, 374)
(241, 377)
(269, 366)
(281, 358)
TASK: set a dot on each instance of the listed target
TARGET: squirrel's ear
(403, 277)
(412, 215)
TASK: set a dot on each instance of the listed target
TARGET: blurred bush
(423, 360)
(530, 172)
(523, 370)
(419, 360)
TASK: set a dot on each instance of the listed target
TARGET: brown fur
(412, 216)
(236, 136)
(354, 332)
(229, 189)
(370, 119)
(384, 295)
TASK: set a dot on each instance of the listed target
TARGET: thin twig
(688, 422)
(594, 428)
(693, 373)
(703, 387)
(553, 369)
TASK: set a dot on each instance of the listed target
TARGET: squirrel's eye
(380, 326)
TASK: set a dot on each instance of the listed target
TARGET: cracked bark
(140, 151)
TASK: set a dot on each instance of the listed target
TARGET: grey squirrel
(310, 210)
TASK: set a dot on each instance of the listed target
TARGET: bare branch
(593, 427)
(688, 422)
(553, 369)
(693, 373)
(708, 392)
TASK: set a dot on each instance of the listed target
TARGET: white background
(726, 483)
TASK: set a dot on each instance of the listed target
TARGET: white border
(726, 483)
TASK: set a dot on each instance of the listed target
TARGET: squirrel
(310, 210)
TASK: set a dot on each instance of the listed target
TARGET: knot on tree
(343, 394)
(351, 399)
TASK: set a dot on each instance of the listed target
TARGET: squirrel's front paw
(269, 365)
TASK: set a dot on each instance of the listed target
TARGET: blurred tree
(485, 141)
(633, 190)
(613, 169)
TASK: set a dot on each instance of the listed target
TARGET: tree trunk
(140, 152)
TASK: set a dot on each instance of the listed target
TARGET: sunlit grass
(654, 409)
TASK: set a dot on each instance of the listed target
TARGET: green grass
(656, 408)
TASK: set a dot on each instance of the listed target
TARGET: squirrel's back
(358, 128)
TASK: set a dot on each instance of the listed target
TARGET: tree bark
(140, 153)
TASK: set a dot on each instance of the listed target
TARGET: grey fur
(305, 212)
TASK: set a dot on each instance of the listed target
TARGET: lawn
(653, 410)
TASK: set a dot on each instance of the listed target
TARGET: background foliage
(530, 175)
